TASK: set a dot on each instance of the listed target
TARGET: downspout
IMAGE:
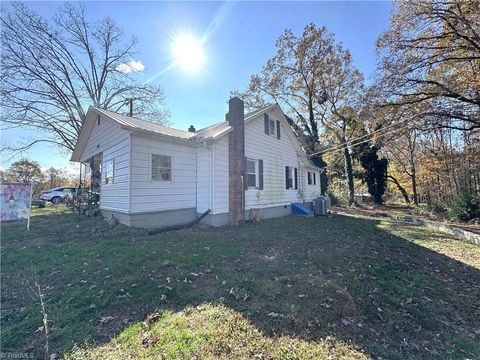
(129, 210)
(213, 207)
(196, 179)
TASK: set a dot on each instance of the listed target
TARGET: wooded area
(413, 133)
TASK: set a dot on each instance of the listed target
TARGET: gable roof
(216, 130)
(211, 132)
(140, 124)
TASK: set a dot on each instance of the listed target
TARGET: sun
(188, 53)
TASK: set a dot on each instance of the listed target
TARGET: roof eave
(158, 135)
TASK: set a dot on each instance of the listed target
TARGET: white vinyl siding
(220, 176)
(103, 137)
(276, 154)
(113, 142)
(311, 191)
(148, 195)
(204, 172)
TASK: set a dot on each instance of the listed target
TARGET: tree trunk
(414, 185)
(400, 188)
(349, 174)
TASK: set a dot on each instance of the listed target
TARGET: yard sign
(15, 202)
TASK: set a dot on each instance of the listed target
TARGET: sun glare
(188, 53)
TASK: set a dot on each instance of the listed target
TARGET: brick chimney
(236, 160)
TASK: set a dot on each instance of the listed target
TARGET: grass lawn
(336, 287)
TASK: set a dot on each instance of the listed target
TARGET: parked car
(58, 195)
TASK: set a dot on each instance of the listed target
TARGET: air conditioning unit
(319, 206)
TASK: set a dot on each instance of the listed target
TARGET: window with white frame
(108, 171)
(312, 178)
(291, 180)
(271, 127)
(161, 168)
(251, 173)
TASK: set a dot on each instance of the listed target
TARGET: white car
(57, 195)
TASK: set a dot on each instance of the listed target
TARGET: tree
(430, 55)
(25, 171)
(54, 177)
(375, 171)
(311, 76)
(53, 70)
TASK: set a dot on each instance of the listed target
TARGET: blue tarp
(300, 209)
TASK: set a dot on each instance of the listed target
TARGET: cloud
(132, 65)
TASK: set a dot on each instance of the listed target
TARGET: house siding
(311, 191)
(221, 179)
(103, 137)
(204, 171)
(148, 195)
(115, 196)
(113, 142)
(276, 154)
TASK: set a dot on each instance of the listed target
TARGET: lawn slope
(209, 332)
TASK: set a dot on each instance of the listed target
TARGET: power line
(342, 146)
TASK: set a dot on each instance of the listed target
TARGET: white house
(250, 165)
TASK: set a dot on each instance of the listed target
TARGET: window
(108, 171)
(310, 180)
(291, 181)
(271, 127)
(314, 178)
(251, 173)
(161, 168)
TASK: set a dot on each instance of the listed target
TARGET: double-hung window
(251, 173)
(291, 178)
(161, 168)
(271, 127)
(108, 171)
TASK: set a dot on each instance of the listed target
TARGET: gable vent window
(108, 171)
(161, 168)
(291, 178)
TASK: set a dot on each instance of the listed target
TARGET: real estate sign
(15, 202)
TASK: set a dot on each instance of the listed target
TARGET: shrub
(438, 208)
(337, 198)
(465, 207)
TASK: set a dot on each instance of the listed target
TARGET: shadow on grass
(344, 277)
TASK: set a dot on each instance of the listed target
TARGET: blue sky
(240, 38)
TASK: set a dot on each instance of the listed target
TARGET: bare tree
(53, 70)
(431, 55)
(311, 76)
